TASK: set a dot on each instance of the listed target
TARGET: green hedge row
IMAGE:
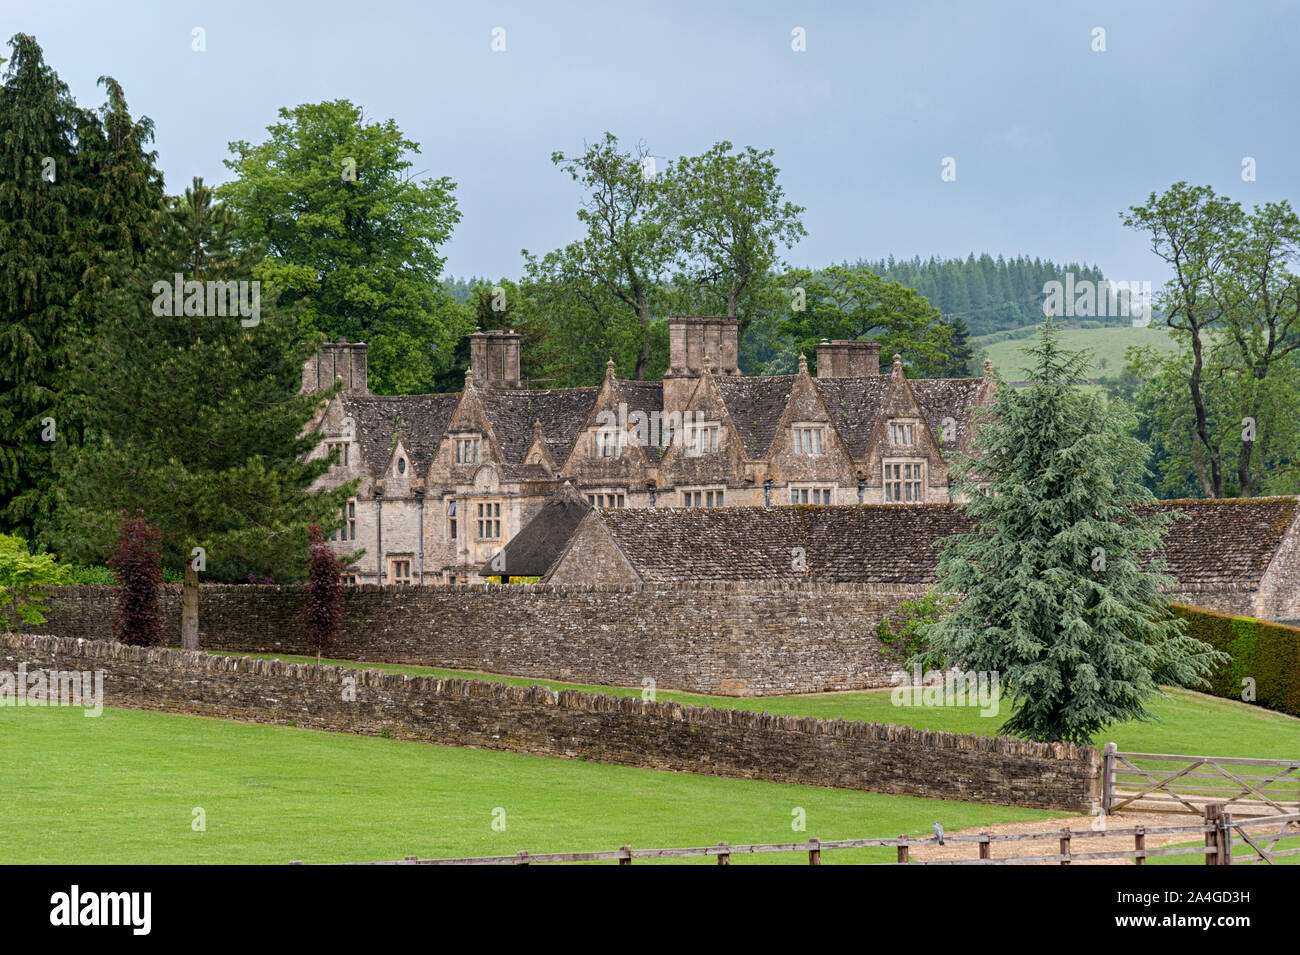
(1268, 653)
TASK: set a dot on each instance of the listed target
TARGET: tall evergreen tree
(1061, 590)
(960, 354)
(42, 197)
(198, 417)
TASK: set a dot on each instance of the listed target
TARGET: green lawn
(121, 788)
(1107, 345)
(1189, 722)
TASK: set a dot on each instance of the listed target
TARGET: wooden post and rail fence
(1260, 794)
(1217, 828)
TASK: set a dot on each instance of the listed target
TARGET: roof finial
(988, 367)
(898, 365)
(469, 377)
(609, 368)
(803, 364)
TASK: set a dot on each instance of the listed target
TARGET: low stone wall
(729, 639)
(622, 730)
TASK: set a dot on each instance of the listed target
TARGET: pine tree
(960, 355)
(1061, 590)
(41, 200)
(198, 417)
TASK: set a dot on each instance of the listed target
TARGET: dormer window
(703, 439)
(808, 439)
(338, 451)
(902, 433)
(606, 444)
(467, 449)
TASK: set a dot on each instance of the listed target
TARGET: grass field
(1106, 344)
(122, 788)
(1189, 722)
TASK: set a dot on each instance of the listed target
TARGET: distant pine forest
(990, 294)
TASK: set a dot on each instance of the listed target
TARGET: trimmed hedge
(1267, 652)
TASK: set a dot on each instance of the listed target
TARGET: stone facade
(627, 731)
(445, 481)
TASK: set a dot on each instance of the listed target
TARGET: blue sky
(1051, 139)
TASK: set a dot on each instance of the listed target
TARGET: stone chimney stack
(337, 361)
(697, 342)
(841, 359)
(494, 359)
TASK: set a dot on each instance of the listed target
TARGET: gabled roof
(942, 398)
(1221, 542)
(755, 406)
(880, 543)
(854, 404)
(535, 548)
(1226, 540)
(644, 396)
(512, 413)
(420, 421)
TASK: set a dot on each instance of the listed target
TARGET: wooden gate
(1161, 782)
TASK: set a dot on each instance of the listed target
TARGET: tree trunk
(643, 360)
(1214, 486)
(190, 609)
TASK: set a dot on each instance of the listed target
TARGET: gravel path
(1081, 838)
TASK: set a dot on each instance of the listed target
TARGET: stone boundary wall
(728, 639)
(627, 731)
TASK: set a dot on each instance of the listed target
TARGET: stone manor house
(447, 480)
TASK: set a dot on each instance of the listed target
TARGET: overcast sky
(1051, 139)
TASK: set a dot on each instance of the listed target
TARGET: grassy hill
(1106, 344)
(270, 794)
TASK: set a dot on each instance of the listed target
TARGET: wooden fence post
(626, 858)
(1065, 846)
(724, 858)
(985, 847)
(1140, 844)
(1108, 777)
(1214, 838)
(1225, 847)
(814, 852)
(411, 858)
(902, 850)
(523, 857)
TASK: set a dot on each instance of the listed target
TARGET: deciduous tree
(352, 237)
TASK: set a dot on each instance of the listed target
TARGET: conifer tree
(78, 195)
(1062, 592)
(41, 200)
(198, 417)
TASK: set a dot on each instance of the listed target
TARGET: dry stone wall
(628, 731)
(728, 639)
